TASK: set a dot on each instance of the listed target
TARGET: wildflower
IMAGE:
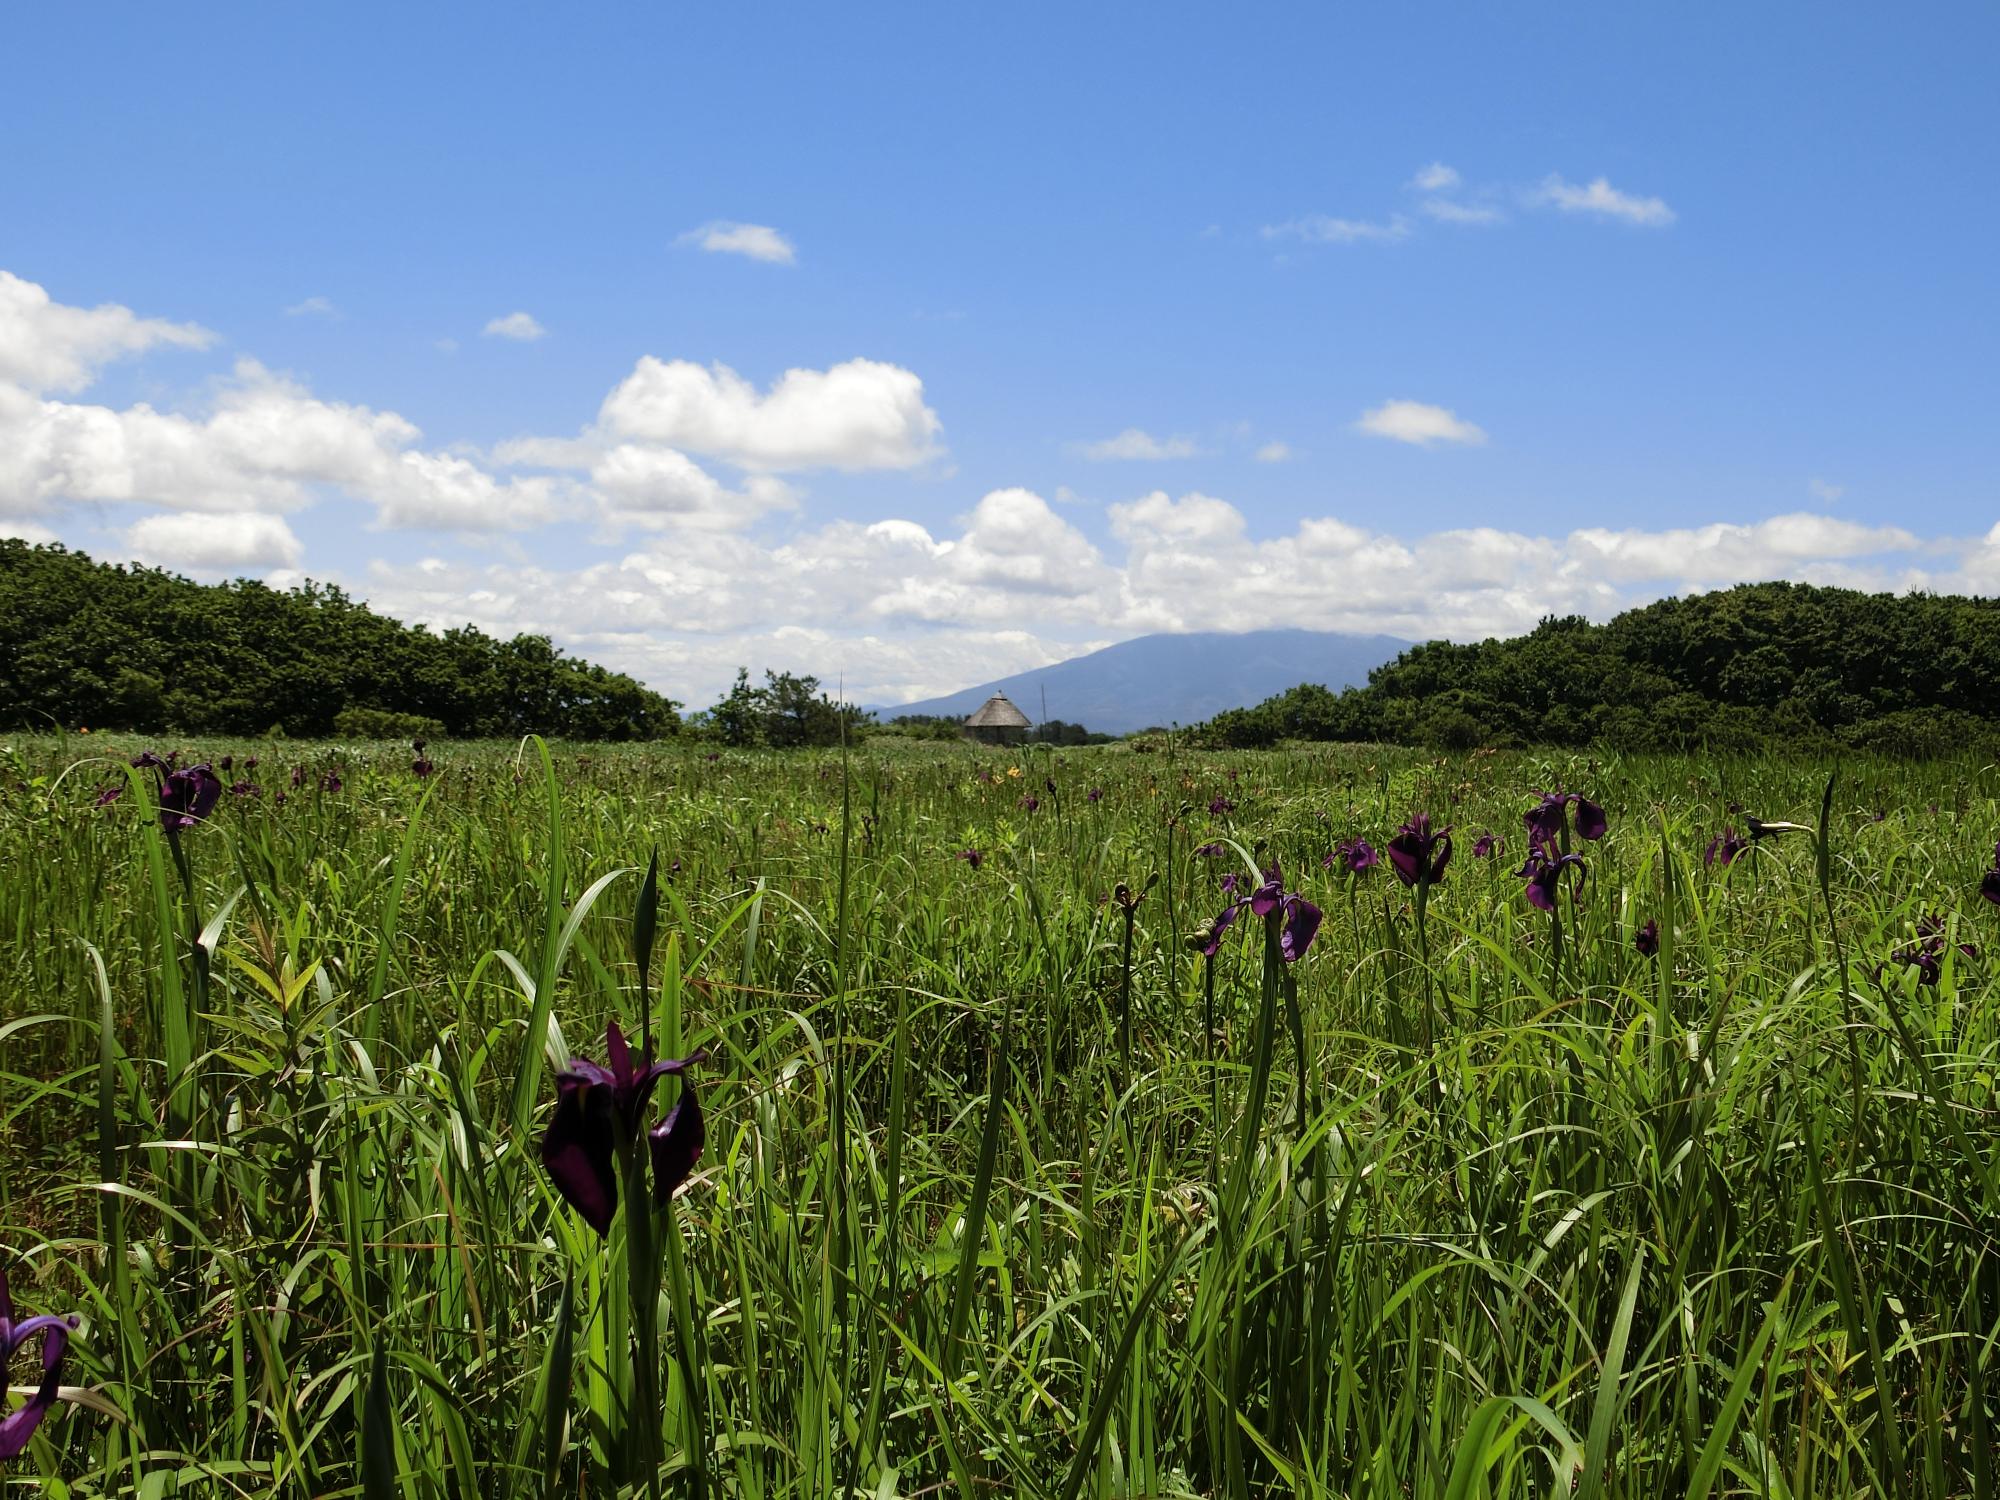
(1220, 806)
(1215, 850)
(227, 763)
(245, 789)
(249, 762)
(187, 795)
(1358, 855)
(422, 764)
(298, 777)
(18, 1426)
(600, 1111)
(971, 856)
(1301, 918)
(1548, 821)
(1725, 846)
(1207, 938)
(109, 795)
(1418, 853)
(1095, 794)
(1486, 846)
(1926, 954)
(1989, 883)
(1647, 939)
(1543, 872)
(1013, 773)
(1030, 802)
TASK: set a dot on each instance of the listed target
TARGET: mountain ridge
(1165, 679)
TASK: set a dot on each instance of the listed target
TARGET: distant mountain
(1174, 679)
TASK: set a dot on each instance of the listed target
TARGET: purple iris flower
(600, 1110)
(1231, 879)
(1989, 883)
(109, 795)
(187, 796)
(1926, 954)
(1725, 846)
(1220, 806)
(227, 763)
(1358, 856)
(1216, 850)
(245, 789)
(1207, 939)
(298, 777)
(250, 763)
(1030, 802)
(18, 1426)
(1095, 794)
(1301, 918)
(1543, 872)
(422, 764)
(1547, 821)
(1647, 939)
(1486, 846)
(1418, 853)
(971, 856)
(330, 782)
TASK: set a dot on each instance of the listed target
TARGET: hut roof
(997, 713)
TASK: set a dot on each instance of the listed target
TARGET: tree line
(100, 645)
(1748, 668)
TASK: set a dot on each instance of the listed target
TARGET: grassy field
(1006, 1188)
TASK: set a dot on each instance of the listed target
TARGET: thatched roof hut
(997, 722)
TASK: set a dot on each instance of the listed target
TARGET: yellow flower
(1014, 771)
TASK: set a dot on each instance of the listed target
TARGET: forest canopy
(98, 645)
(1753, 667)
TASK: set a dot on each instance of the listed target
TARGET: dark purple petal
(1302, 920)
(1264, 900)
(1989, 885)
(577, 1151)
(1406, 858)
(1545, 820)
(1647, 939)
(1218, 927)
(676, 1144)
(1590, 819)
(18, 1426)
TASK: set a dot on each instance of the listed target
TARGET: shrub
(382, 724)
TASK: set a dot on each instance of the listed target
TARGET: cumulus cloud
(862, 414)
(518, 326)
(47, 346)
(313, 307)
(214, 543)
(903, 611)
(1601, 200)
(1325, 229)
(1136, 443)
(753, 241)
(1272, 453)
(1419, 424)
(1825, 491)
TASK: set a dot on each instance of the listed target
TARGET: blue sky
(1425, 320)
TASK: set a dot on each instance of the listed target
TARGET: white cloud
(1135, 443)
(47, 346)
(1414, 422)
(656, 487)
(754, 241)
(862, 414)
(1825, 492)
(214, 543)
(1435, 178)
(519, 326)
(26, 531)
(313, 307)
(1273, 453)
(1446, 211)
(1323, 229)
(1601, 199)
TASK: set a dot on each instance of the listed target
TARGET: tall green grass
(995, 1200)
